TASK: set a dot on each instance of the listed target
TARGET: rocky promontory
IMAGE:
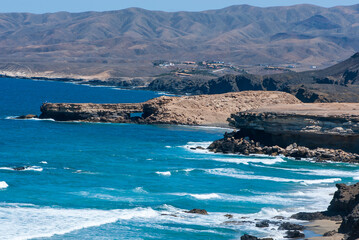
(314, 125)
(235, 143)
(210, 110)
(322, 132)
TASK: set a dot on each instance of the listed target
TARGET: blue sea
(128, 181)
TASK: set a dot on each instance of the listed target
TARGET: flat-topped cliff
(319, 118)
(211, 110)
(319, 131)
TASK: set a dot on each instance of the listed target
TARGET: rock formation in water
(213, 110)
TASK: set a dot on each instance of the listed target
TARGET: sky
(43, 6)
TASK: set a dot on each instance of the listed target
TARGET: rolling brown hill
(124, 42)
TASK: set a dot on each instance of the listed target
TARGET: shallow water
(127, 181)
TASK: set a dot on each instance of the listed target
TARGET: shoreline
(323, 227)
(91, 82)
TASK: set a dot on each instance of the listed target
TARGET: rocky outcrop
(89, 112)
(345, 204)
(28, 116)
(212, 110)
(250, 237)
(235, 143)
(198, 211)
(325, 125)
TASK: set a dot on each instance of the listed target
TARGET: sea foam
(247, 160)
(3, 185)
(32, 222)
(318, 172)
(27, 168)
(230, 172)
(167, 173)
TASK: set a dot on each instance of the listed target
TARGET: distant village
(189, 68)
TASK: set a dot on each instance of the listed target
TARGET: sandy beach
(323, 226)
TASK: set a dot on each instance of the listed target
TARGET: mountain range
(125, 42)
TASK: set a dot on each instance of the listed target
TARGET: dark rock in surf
(330, 233)
(294, 234)
(20, 168)
(28, 116)
(291, 226)
(198, 211)
(250, 237)
(262, 224)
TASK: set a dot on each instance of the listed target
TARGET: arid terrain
(124, 43)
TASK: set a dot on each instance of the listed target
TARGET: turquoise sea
(128, 181)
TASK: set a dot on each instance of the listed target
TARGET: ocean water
(128, 181)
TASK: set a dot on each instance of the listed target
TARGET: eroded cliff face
(329, 125)
(90, 112)
(212, 110)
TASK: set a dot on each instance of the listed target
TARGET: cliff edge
(209, 110)
(328, 125)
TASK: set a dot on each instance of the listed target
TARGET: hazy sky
(41, 6)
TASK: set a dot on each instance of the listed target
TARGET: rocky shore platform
(209, 110)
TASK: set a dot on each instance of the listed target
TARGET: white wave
(43, 162)
(167, 173)
(26, 168)
(168, 147)
(269, 198)
(209, 127)
(247, 160)
(188, 170)
(3, 185)
(7, 168)
(139, 190)
(205, 196)
(30, 119)
(192, 146)
(20, 223)
(166, 94)
(199, 196)
(230, 172)
(85, 172)
(11, 117)
(34, 168)
(319, 172)
(106, 197)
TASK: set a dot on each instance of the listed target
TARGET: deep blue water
(127, 181)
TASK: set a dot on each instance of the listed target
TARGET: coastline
(322, 227)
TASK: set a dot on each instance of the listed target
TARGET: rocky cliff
(210, 110)
(328, 125)
(345, 205)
